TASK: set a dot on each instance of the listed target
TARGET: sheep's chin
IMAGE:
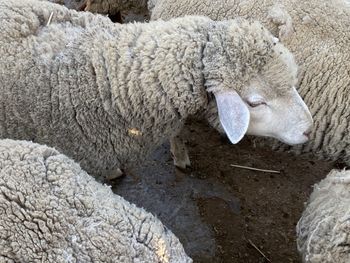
(293, 141)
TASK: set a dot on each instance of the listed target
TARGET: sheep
(323, 230)
(317, 33)
(110, 7)
(107, 94)
(53, 211)
(119, 11)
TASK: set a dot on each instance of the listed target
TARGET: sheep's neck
(155, 74)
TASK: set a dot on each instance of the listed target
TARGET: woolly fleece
(324, 228)
(109, 7)
(52, 211)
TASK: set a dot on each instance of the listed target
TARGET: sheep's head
(253, 78)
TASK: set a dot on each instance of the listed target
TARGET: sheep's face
(253, 80)
(284, 117)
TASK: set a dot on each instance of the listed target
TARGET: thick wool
(110, 7)
(107, 94)
(324, 228)
(318, 33)
(52, 211)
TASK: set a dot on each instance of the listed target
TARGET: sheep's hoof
(109, 175)
(179, 152)
(82, 5)
(183, 162)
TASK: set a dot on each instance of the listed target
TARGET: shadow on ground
(220, 212)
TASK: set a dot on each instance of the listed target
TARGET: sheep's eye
(254, 104)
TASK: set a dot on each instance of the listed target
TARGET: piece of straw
(50, 18)
(255, 169)
(261, 253)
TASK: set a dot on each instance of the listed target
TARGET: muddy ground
(220, 212)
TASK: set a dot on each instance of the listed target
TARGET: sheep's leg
(87, 5)
(179, 152)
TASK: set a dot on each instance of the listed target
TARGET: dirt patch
(220, 212)
(271, 204)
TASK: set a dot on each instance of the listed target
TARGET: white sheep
(107, 94)
(53, 211)
(109, 7)
(120, 11)
(317, 32)
(324, 228)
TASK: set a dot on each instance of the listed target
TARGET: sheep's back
(52, 211)
(48, 81)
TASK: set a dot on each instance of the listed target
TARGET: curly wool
(317, 32)
(323, 230)
(106, 94)
(52, 211)
(101, 93)
(109, 7)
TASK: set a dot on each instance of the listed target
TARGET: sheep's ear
(233, 114)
